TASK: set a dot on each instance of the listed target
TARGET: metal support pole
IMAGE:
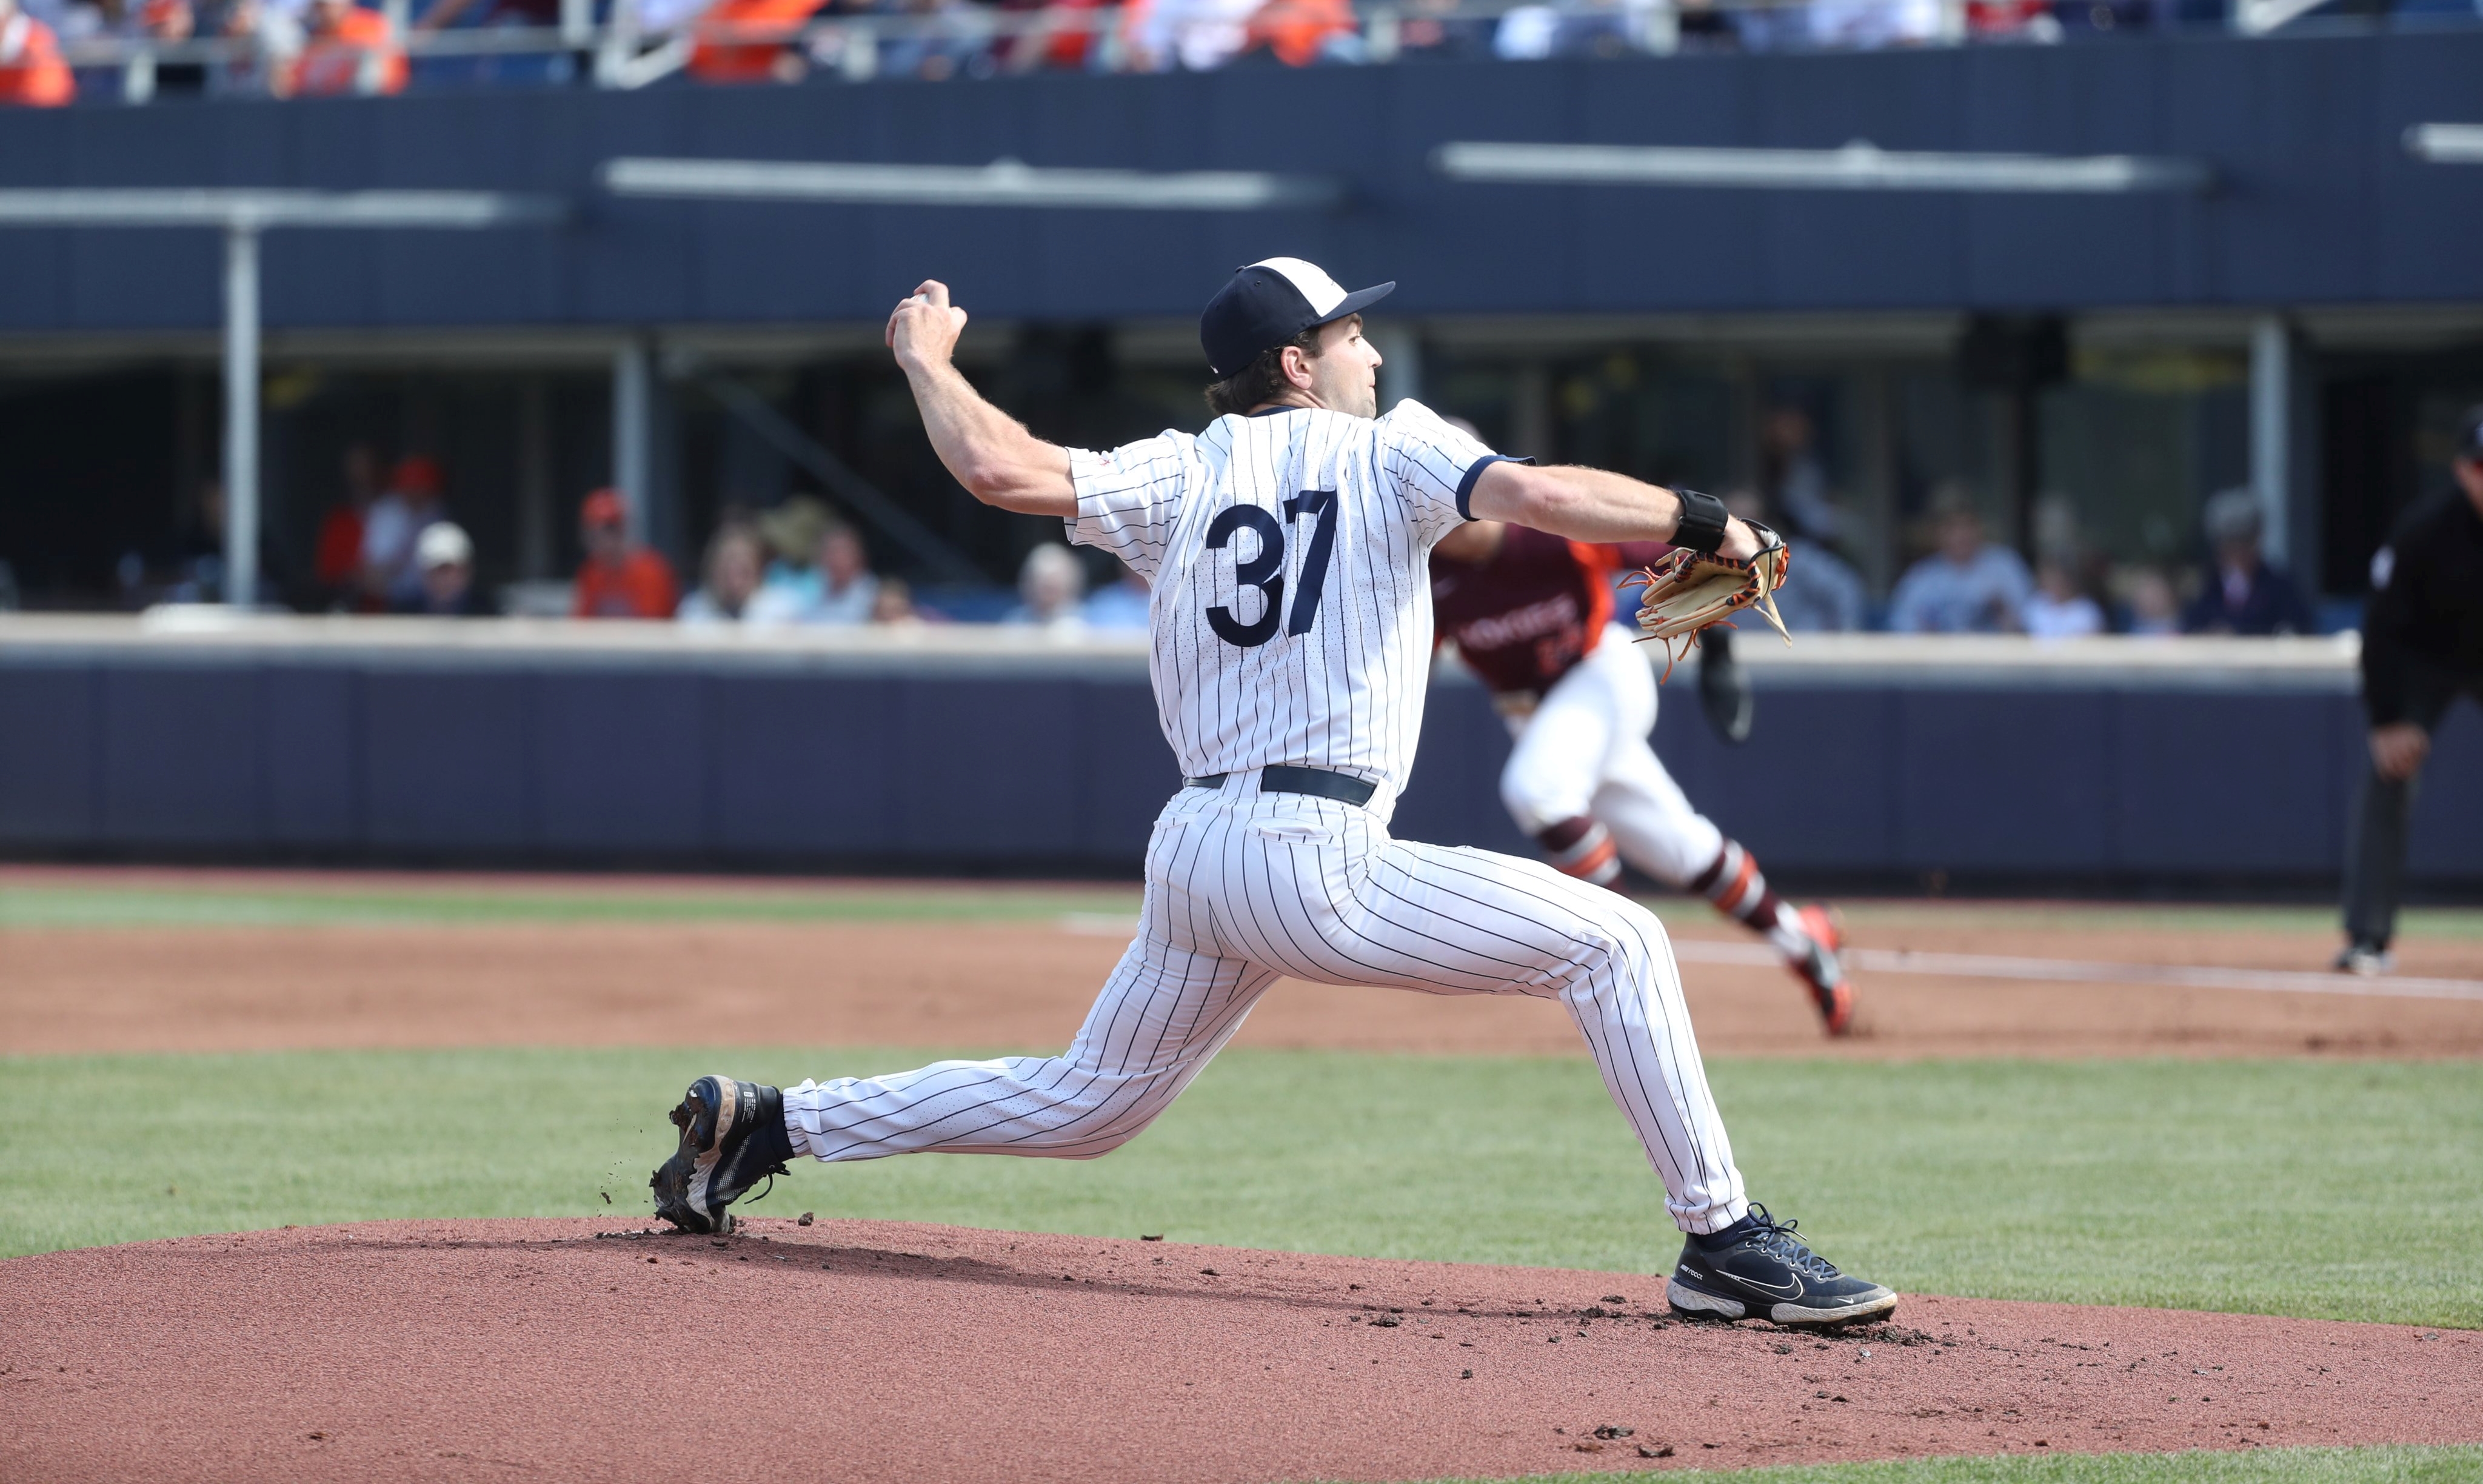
(633, 375)
(241, 414)
(2271, 434)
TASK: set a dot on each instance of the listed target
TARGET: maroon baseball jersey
(1537, 607)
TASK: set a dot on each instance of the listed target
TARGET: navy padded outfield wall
(799, 761)
(2317, 201)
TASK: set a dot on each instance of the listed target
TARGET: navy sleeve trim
(1465, 485)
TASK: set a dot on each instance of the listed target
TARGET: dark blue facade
(2319, 201)
(649, 760)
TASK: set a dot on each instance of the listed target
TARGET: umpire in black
(2422, 648)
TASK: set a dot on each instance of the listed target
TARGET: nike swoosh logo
(1791, 1290)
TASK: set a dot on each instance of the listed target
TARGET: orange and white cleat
(1820, 968)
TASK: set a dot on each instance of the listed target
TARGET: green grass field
(2341, 1190)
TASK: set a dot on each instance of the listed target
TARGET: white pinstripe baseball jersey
(1288, 557)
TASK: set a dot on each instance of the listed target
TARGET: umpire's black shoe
(1766, 1271)
(733, 1136)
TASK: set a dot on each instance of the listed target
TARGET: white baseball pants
(1583, 752)
(1244, 887)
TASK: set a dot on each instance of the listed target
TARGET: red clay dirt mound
(575, 1350)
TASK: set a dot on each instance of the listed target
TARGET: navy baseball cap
(1268, 304)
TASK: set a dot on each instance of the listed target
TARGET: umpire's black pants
(2375, 837)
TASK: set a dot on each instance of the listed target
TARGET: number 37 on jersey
(1265, 569)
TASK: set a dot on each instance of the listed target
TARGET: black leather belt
(1285, 777)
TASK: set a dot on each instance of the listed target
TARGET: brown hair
(1263, 380)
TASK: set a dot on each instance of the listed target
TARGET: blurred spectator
(2150, 607)
(444, 556)
(732, 576)
(1822, 593)
(345, 49)
(2012, 20)
(1432, 29)
(1121, 604)
(938, 38)
(269, 37)
(394, 522)
(619, 579)
(2244, 594)
(173, 21)
(1063, 34)
(1968, 585)
(793, 532)
(746, 42)
(195, 571)
(336, 556)
(2059, 608)
(1048, 588)
(544, 13)
(1300, 32)
(847, 587)
(1199, 34)
(892, 603)
(1790, 472)
(1873, 23)
(32, 74)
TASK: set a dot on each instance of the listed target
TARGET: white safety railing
(637, 43)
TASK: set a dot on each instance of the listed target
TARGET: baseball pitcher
(1287, 549)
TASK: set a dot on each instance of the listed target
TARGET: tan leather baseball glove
(1687, 590)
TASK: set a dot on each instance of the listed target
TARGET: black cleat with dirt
(733, 1136)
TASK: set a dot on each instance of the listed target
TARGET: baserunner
(1287, 550)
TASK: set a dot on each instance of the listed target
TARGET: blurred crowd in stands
(309, 47)
(388, 545)
(1965, 581)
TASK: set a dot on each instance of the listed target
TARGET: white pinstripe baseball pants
(1245, 887)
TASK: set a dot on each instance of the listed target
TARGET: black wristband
(1701, 527)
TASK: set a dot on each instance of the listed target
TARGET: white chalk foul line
(1987, 966)
(1992, 966)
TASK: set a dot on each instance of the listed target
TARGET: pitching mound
(577, 1350)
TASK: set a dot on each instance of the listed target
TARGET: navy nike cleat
(1767, 1273)
(732, 1136)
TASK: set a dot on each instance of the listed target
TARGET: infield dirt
(1024, 985)
(575, 1350)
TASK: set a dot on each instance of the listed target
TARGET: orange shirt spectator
(343, 40)
(743, 41)
(32, 74)
(1296, 30)
(617, 579)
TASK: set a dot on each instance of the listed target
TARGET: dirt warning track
(1026, 984)
(581, 1350)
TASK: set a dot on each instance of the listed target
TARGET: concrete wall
(673, 754)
